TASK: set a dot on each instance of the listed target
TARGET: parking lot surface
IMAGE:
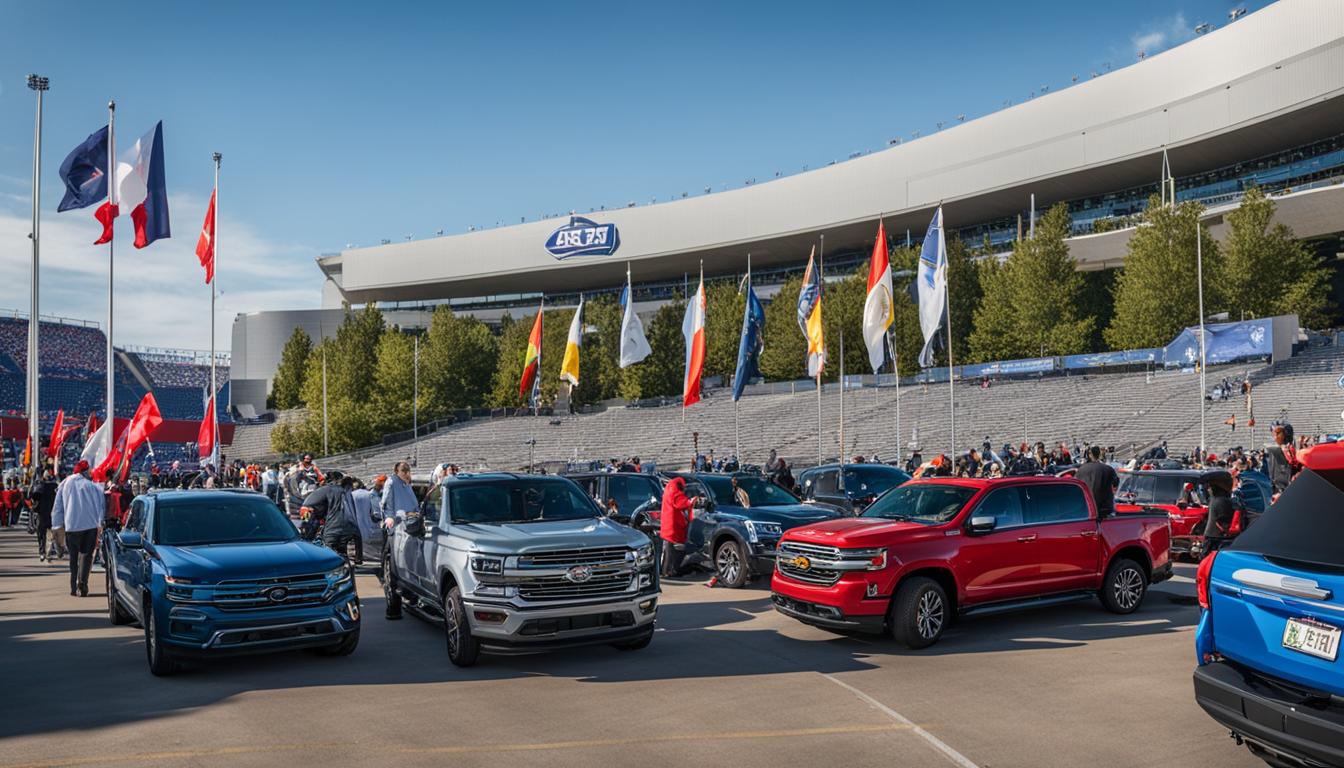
(726, 681)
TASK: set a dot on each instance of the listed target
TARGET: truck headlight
(644, 556)
(340, 574)
(490, 566)
(495, 590)
(877, 558)
(756, 530)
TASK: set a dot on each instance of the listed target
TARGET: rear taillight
(1202, 580)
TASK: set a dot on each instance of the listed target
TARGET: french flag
(140, 187)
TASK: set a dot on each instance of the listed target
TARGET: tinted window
(432, 504)
(866, 481)
(922, 502)
(1135, 489)
(1168, 488)
(136, 520)
(825, 483)
(236, 519)
(629, 492)
(762, 492)
(1054, 503)
(1251, 497)
(519, 501)
(1004, 505)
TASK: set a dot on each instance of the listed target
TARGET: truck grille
(308, 589)
(790, 551)
(608, 570)
(567, 558)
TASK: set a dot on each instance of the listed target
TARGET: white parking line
(935, 742)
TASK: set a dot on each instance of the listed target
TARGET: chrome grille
(812, 575)
(602, 584)
(810, 550)
(611, 572)
(568, 558)
(308, 589)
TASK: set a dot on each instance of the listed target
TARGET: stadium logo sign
(583, 237)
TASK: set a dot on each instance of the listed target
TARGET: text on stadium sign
(583, 237)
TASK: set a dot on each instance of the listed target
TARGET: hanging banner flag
(930, 287)
(207, 437)
(569, 366)
(57, 430)
(118, 461)
(531, 358)
(879, 312)
(84, 173)
(809, 317)
(693, 330)
(205, 245)
(634, 346)
(750, 344)
(99, 444)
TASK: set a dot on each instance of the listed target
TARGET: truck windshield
(762, 492)
(233, 519)
(929, 503)
(519, 501)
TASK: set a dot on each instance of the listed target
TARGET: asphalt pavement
(727, 680)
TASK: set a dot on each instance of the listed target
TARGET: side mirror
(131, 539)
(984, 524)
(414, 524)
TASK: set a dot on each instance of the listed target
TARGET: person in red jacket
(673, 521)
(13, 502)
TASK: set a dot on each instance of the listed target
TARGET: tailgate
(1251, 612)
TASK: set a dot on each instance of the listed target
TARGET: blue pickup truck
(211, 573)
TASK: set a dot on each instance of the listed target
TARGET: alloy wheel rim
(1128, 588)
(929, 614)
(450, 623)
(729, 563)
(151, 636)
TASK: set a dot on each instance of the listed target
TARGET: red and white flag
(205, 246)
(138, 185)
(693, 329)
(207, 437)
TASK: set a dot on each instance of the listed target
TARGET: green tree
(784, 355)
(599, 362)
(1156, 292)
(661, 373)
(459, 357)
(1268, 271)
(394, 381)
(905, 331)
(723, 327)
(1031, 303)
(289, 375)
(964, 292)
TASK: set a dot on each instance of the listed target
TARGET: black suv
(852, 489)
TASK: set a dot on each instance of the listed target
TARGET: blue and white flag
(634, 346)
(931, 285)
(752, 342)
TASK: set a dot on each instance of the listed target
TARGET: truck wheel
(391, 595)
(1124, 587)
(730, 564)
(345, 647)
(919, 613)
(115, 613)
(161, 662)
(463, 649)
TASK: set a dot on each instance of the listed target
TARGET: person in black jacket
(334, 506)
(40, 498)
(1221, 511)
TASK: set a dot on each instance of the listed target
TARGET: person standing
(1101, 479)
(673, 524)
(334, 505)
(40, 498)
(398, 499)
(79, 507)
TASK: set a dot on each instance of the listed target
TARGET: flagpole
(947, 308)
(415, 404)
(111, 196)
(214, 385)
(896, 372)
(325, 451)
(737, 435)
(536, 381)
(1203, 362)
(842, 399)
(821, 282)
(40, 85)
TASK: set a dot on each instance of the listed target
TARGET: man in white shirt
(79, 508)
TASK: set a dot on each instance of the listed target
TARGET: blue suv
(210, 573)
(1268, 639)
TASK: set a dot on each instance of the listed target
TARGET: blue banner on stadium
(1010, 367)
(1226, 342)
(1103, 359)
(583, 237)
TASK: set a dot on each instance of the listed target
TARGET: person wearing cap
(78, 509)
(398, 499)
(334, 506)
(1281, 462)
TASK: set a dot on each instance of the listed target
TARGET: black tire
(1124, 587)
(161, 661)
(730, 564)
(463, 649)
(345, 647)
(919, 613)
(115, 613)
(390, 592)
(634, 645)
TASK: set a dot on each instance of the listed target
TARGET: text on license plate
(1312, 638)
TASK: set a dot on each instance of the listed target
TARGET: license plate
(1312, 638)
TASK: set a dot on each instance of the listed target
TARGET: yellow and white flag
(569, 367)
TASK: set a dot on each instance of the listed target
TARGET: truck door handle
(1028, 537)
(1089, 534)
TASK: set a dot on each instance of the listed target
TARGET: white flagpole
(214, 385)
(415, 403)
(896, 371)
(111, 196)
(947, 308)
(1203, 362)
(821, 282)
(40, 85)
(842, 400)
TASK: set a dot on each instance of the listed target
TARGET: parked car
(850, 487)
(209, 573)
(1267, 644)
(631, 490)
(738, 542)
(935, 549)
(1183, 496)
(512, 563)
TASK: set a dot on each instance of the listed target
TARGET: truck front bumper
(503, 627)
(1269, 718)
(200, 630)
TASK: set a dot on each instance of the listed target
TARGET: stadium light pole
(40, 85)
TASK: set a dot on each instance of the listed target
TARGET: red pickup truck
(931, 550)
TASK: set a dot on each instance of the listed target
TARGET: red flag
(205, 436)
(205, 246)
(56, 430)
(28, 451)
(91, 425)
(146, 420)
(531, 359)
(105, 214)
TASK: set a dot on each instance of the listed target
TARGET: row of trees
(1034, 302)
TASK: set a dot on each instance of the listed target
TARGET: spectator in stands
(1101, 479)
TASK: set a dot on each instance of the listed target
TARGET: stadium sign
(583, 237)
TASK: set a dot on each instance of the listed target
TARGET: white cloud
(1159, 35)
(161, 296)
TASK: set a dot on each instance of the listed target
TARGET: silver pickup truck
(512, 563)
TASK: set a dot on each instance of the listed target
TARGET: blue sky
(348, 122)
